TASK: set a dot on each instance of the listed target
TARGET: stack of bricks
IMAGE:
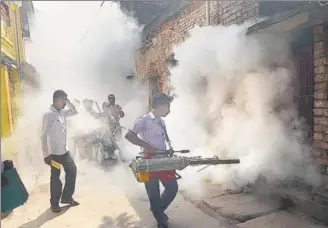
(321, 96)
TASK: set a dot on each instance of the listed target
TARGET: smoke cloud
(235, 98)
(235, 94)
(87, 51)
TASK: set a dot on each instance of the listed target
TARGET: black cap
(160, 99)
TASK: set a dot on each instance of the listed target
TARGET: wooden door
(305, 73)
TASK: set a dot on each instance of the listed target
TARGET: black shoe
(166, 218)
(56, 209)
(162, 225)
(72, 202)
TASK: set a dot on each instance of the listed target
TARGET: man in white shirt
(55, 150)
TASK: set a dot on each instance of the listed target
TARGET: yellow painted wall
(17, 41)
(19, 50)
(6, 117)
(7, 43)
(17, 88)
(12, 46)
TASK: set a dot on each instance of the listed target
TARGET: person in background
(116, 113)
(104, 133)
(153, 138)
(56, 152)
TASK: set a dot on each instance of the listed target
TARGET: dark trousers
(56, 191)
(160, 202)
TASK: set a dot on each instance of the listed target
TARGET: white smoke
(235, 99)
(87, 51)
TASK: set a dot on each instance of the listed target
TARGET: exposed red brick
(318, 112)
(325, 129)
(325, 61)
(320, 144)
(321, 120)
(319, 69)
(321, 77)
(318, 45)
(320, 104)
(319, 53)
(320, 95)
(319, 61)
(318, 37)
(318, 128)
(318, 136)
(320, 86)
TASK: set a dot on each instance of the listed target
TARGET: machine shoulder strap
(167, 139)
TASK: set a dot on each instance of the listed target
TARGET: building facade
(16, 73)
(14, 69)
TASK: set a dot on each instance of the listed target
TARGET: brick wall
(321, 95)
(152, 58)
(237, 12)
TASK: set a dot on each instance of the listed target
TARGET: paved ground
(115, 200)
(248, 211)
(108, 200)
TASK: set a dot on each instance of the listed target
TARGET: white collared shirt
(54, 131)
(151, 131)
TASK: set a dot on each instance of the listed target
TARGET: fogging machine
(145, 168)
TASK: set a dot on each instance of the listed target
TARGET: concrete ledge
(241, 207)
(208, 210)
(280, 219)
(300, 202)
(274, 208)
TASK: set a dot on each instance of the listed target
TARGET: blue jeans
(160, 202)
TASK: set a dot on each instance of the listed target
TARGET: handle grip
(167, 152)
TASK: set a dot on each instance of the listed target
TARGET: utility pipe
(208, 10)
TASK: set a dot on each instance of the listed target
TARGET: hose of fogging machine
(230, 161)
(213, 161)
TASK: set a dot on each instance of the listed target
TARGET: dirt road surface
(108, 200)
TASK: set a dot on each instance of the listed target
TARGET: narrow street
(104, 205)
(241, 85)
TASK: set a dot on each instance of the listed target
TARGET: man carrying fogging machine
(157, 163)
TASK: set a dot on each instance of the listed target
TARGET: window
(5, 13)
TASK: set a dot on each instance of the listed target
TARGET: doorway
(304, 70)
